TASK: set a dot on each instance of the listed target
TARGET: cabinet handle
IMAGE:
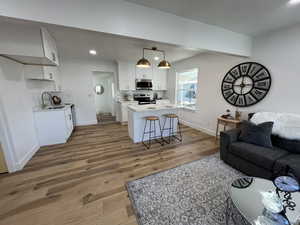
(53, 56)
(70, 117)
(51, 76)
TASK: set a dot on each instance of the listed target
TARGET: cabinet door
(50, 72)
(144, 73)
(49, 46)
(126, 75)
(69, 121)
(159, 79)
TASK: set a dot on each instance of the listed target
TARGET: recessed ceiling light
(293, 2)
(156, 58)
(93, 52)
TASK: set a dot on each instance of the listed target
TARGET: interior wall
(279, 51)
(77, 83)
(104, 102)
(18, 130)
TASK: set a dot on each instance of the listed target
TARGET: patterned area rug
(191, 194)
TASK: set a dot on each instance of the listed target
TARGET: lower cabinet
(122, 110)
(53, 126)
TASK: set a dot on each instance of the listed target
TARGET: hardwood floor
(82, 182)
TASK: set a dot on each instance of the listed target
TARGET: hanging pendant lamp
(144, 63)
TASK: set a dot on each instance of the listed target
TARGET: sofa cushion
(256, 134)
(258, 155)
(292, 146)
(292, 160)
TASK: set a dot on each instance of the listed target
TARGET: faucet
(49, 98)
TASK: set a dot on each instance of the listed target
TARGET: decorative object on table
(227, 115)
(285, 186)
(193, 193)
(56, 100)
(259, 204)
(226, 122)
(271, 201)
(246, 84)
(238, 115)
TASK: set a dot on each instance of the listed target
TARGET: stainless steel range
(144, 99)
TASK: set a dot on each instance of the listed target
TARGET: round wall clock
(246, 84)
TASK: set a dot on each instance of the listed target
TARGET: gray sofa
(259, 161)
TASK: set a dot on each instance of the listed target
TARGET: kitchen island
(136, 119)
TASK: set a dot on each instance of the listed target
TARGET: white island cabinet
(136, 119)
(54, 126)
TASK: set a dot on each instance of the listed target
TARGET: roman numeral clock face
(246, 84)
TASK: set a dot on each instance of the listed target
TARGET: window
(186, 91)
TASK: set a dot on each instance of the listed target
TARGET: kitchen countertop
(40, 109)
(152, 107)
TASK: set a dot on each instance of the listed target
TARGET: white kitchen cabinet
(144, 73)
(41, 72)
(49, 46)
(53, 126)
(126, 76)
(28, 44)
(160, 79)
(122, 110)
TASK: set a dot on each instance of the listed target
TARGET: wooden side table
(225, 123)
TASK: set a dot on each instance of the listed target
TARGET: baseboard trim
(86, 123)
(197, 127)
(20, 165)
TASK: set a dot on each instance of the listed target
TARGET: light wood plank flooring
(82, 182)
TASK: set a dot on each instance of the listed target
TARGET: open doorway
(103, 85)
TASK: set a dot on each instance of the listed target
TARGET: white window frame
(176, 87)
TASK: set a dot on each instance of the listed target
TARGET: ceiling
(251, 17)
(76, 43)
(73, 42)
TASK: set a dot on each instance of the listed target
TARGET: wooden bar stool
(172, 133)
(152, 130)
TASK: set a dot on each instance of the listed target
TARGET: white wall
(104, 102)
(77, 83)
(18, 130)
(127, 19)
(210, 103)
(278, 51)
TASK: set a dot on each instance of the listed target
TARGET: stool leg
(144, 135)
(170, 130)
(179, 129)
(150, 130)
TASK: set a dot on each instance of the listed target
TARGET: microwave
(143, 84)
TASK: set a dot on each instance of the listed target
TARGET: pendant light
(144, 63)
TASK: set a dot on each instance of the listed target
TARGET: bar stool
(172, 133)
(152, 119)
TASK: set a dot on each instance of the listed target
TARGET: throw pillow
(259, 134)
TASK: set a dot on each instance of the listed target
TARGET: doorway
(104, 91)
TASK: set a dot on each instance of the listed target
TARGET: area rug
(190, 194)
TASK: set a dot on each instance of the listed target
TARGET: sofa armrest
(226, 139)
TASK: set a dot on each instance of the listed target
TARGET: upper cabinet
(29, 45)
(126, 76)
(49, 46)
(159, 79)
(144, 73)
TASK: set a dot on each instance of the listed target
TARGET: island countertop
(152, 107)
